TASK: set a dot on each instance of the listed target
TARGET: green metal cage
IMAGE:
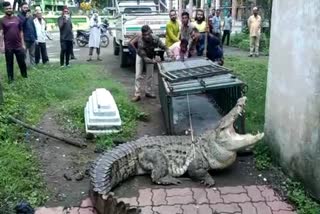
(201, 89)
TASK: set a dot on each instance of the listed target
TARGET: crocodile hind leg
(155, 161)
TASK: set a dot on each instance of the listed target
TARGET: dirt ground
(61, 161)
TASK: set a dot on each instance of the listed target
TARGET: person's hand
(157, 59)
(23, 46)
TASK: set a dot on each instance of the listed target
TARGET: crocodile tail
(113, 167)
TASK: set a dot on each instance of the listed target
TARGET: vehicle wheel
(123, 58)
(116, 48)
(104, 41)
(80, 41)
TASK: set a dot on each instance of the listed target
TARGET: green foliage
(65, 90)
(242, 41)
(254, 73)
(300, 198)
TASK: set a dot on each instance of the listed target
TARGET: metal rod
(81, 145)
(190, 120)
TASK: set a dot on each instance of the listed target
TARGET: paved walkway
(222, 200)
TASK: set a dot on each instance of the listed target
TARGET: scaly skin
(168, 157)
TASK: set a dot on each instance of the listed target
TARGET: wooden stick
(207, 28)
(81, 145)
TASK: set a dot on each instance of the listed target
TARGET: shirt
(28, 27)
(41, 30)
(186, 32)
(172, 33)
(227, 23)
(175, 50)
(201, 27)
(65, 27)
(216, 24)
(12, 27)
(146, 49)
(254, 24)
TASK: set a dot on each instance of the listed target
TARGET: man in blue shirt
(214, 50)
(216, 24)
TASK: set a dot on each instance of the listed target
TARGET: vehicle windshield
(137, 10)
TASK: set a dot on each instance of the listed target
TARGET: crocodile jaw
(226, 135)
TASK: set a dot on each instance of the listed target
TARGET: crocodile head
(225, 134)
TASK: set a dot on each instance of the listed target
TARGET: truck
(130, 17)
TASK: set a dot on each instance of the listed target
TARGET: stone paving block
(235, 198)
(280, 205)
(146, 210)
(228, 208)
(204, 209)
(248, 208)
(132, 201)
(86, 203)
(214, 196)
(189, 209)
(176, 209)
(262, 208)
(232, 190)
(86, 211)
(254, 193)
(145, 196)
(178, 191)
(200, 196)
(53, 210)
(188, 199)
(158, 197)
(268, 194)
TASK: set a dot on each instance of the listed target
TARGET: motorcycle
(82, 37)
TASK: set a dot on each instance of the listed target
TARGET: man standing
(186, 27)
(41, 30)
(29, 31)
(216, 24)
(227, 28)
(94, 38)
(11, 34)
(254, 25)
(172, 29)
(66, 37)
(146, 45)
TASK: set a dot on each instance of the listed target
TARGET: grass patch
(66, 90)
(254, 71)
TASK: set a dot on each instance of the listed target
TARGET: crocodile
(166, 158)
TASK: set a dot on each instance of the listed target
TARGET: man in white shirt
(227, 28)
(254, 25)
(41, 29)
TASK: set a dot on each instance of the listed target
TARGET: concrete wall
(292, 124)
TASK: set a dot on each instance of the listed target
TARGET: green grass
(66, 91)
(253, 71)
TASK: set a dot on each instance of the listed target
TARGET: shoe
(88, 60)
(250, 55)
(256, 55)
(73, 58)
(99, 59)
(150, 96)
(136, 99)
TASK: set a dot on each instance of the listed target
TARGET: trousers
(139, 77)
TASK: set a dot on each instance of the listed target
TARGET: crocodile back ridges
(120, 163)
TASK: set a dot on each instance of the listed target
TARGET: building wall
(292, 119)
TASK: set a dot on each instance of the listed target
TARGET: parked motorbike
(83, 36)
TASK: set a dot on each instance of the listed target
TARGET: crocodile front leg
(198, 171)
(155, 161)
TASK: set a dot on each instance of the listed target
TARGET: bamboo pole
(206, 12)
(77, 144)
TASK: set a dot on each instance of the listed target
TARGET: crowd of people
(184, 39)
